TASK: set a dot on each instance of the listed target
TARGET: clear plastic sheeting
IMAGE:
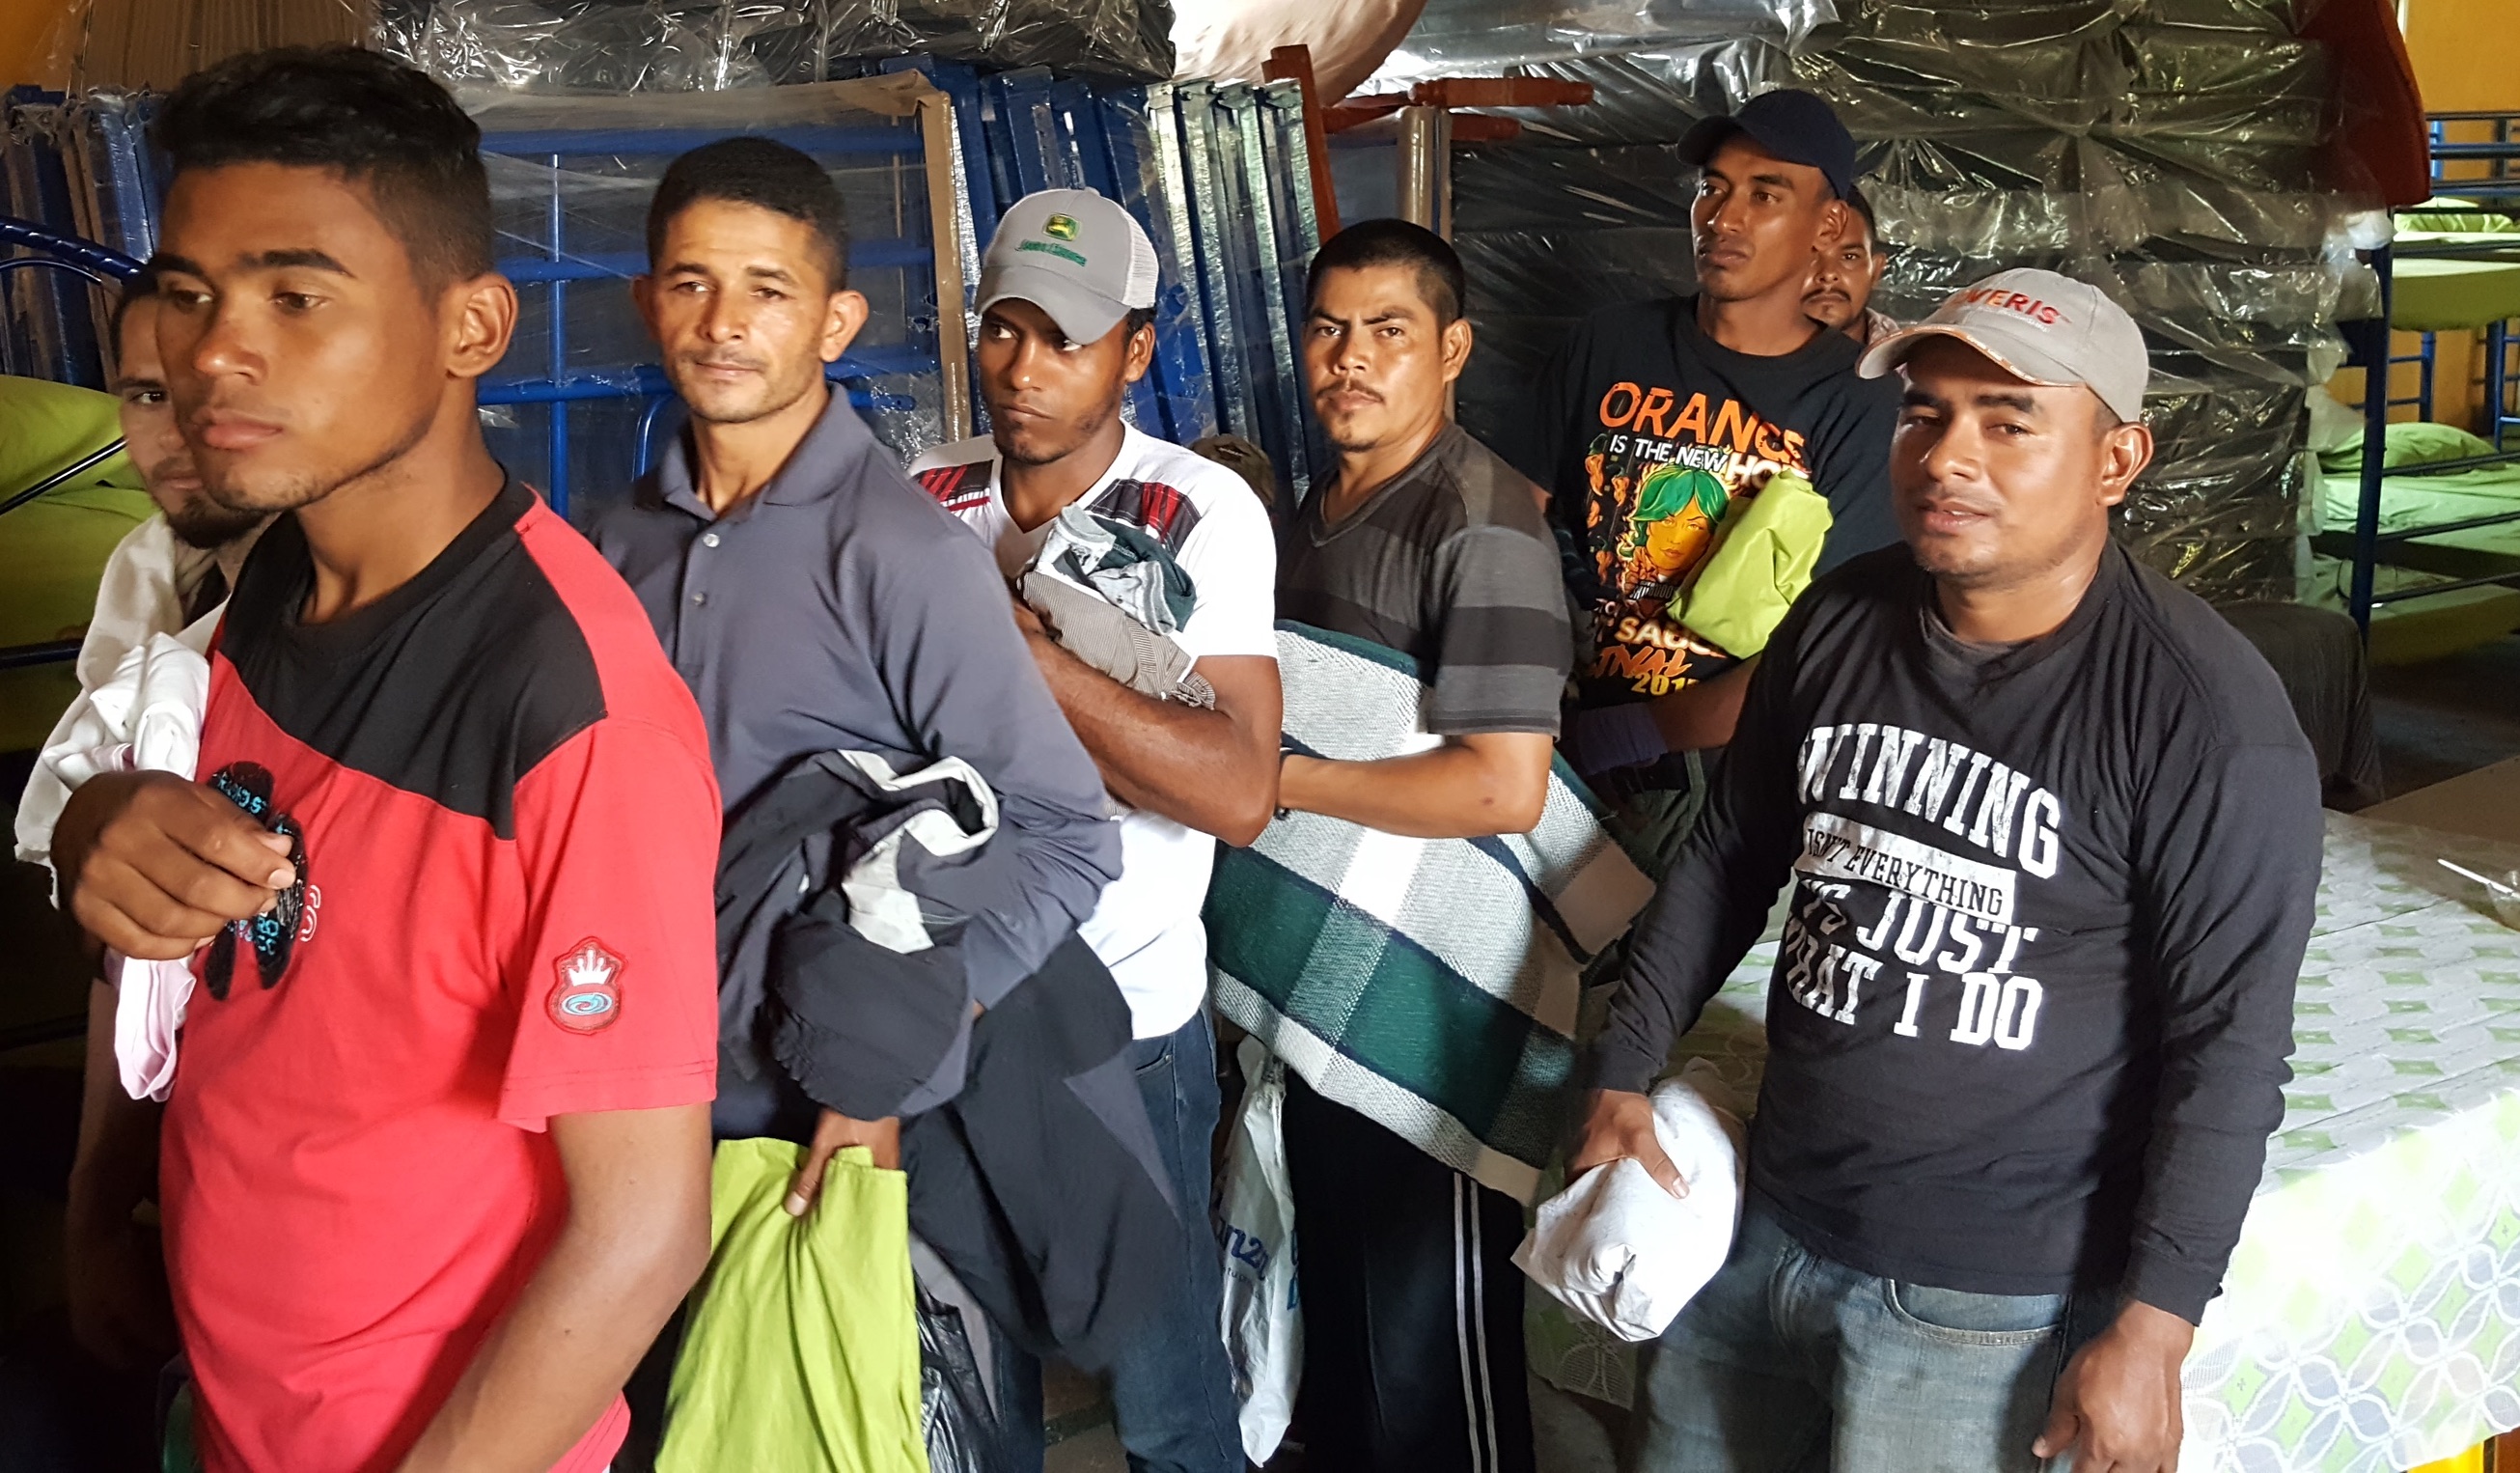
(710, 45)
(1482, 38)
(2168, 150)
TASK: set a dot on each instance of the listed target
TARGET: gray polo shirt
(841, 608)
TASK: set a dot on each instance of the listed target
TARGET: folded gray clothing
(1109, 638)
(1124, 562)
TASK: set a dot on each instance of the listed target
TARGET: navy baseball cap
(1794, 126)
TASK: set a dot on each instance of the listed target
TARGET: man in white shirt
(1070, 494)
(169, 575)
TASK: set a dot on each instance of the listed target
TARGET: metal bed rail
(2370, 342)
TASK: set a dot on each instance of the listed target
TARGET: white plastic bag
(1263, 1326)
(1623, 1253)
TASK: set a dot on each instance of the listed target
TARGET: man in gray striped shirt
(1428, 544)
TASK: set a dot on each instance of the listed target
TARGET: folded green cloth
(802, 1352)
(1763, 555)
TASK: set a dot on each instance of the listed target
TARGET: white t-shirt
(1146, 927)
(147, 579)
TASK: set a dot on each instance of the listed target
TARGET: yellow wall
(31, 32)
(2466, 54)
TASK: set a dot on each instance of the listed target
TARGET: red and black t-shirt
(503, 797)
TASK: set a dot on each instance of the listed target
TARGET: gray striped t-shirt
(1451, 565)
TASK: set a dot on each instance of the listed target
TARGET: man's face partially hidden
(301, 347)
(1758, 222)
(740, 302)
(1842, 283)
(156, 442)
(1047, 395)
(1375, 358)
(1996, 481)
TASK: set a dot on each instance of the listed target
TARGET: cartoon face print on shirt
(273, 935)
(1662, 470)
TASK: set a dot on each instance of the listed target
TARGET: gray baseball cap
(1074, 254)
(2041, 327)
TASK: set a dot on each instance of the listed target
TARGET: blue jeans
(1172, 1390)
(1789, 1362)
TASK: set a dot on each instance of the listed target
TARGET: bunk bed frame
(2369, 344)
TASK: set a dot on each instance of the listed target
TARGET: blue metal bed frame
(2370, 345)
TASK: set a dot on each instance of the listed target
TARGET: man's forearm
(1194, 765)
(1702, 716)
(116, 1161)
(1447, 792)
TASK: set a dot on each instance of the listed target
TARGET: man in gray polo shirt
(812, 597)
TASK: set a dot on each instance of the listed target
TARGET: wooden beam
(1499, 92)
(1294, 63)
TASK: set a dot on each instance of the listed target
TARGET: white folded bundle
(1618, 1249)
(147, 716)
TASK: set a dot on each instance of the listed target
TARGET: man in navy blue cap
(1653, 418)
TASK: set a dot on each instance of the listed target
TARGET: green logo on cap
(1059, 227)
(1045, 246)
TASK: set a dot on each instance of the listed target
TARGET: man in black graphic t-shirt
(2054, 837)
(1654, 419)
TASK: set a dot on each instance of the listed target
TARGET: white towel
(1618, 1249)
(149, 715)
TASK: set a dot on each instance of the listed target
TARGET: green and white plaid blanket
(1428, 984)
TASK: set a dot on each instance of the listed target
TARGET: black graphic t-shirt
(2028, 1019)
(1644, 432)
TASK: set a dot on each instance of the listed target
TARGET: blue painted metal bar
(652, 143)
(49, 652)
(35, 236)
(647, 381)
(2497, 383)
(2375, 444)
(1026, 130)
(621, 265)
(47, 264)
(1184, 406)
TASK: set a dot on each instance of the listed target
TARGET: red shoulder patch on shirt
(957, 488)
(586, 996)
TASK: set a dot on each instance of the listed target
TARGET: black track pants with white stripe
(1412, 1304)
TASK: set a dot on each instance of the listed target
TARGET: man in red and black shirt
(435, 1164)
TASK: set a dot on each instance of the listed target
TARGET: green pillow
(2455, 217)
(45, 427)
(2413, 442)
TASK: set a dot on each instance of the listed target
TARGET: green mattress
(2461, 293)
(2440, 624)
(53, 549)
(2454, 295)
